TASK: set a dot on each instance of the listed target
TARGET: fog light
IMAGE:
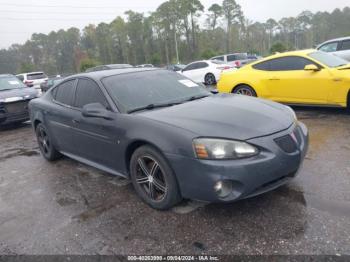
(223, 188)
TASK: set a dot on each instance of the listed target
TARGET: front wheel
(244, 90)
(153, 179)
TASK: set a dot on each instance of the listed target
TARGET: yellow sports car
(307, 77)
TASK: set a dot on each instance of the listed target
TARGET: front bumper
(14, 112)
(272, 168)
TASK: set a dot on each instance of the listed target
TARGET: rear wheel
(348, 102)
(209, 79)
(245, 90)
(45, 144)
(153, 179)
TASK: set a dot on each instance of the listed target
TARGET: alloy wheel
(44, 142)
(150, 178)
(210, 79)
(244, 91)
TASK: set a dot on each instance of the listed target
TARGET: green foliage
(207, 54)
(26, 67)
(88, 63)
(278, 48)
(155, 59)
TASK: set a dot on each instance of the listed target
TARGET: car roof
(289, 53)
(31, 73)
(97, 75)
(336, 39)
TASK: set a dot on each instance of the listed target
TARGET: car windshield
(10, 82)
(328, 59)
(156, 87)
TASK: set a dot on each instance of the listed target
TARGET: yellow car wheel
(245, 90)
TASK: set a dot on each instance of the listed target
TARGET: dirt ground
(69, 208)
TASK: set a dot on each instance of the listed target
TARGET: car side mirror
(312, 67)
(214, 91)
(96, 110)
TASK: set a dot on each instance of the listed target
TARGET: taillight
(238, 63)
(224, 67)
(28, 83)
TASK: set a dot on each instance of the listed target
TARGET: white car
(339, 47)
(33, 79)
(206, 71)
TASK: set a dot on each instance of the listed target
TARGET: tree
(232, 12)
(215, 13)
(88, 63)
(278, 48)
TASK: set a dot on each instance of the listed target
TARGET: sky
(19, 19)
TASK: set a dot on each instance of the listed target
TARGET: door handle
(274, 79)
(75, 121)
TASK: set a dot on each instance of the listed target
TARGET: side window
(345, 45)
(331, 47)
(191, 67)
(220, 58)
(64, 93)
(231, 58)
(88, 92)
(202, 65)
(264, 66)
(291, 63)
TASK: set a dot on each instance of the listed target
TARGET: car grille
(17, 107)
(287, 144)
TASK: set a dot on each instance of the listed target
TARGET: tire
(209, 79)
(46, 147)
(348, 103)
(244, 90)
(153, 179)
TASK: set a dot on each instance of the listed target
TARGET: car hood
(227, 116)
(25, 93)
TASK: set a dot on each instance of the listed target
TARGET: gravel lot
(69, 208)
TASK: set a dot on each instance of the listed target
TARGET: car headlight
(210, 148)
(293, 113)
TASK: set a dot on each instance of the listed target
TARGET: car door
(96, 139)
(59, 115)
(191, 71)
(344, 50)
(288, 81)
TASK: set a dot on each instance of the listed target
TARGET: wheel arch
(244, 84)
(134, 145)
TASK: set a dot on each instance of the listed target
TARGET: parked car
(14, 98)
(206, 71)
(237, 59)
(145, 66)
(171, 137)
(33, 79)
(50, 83)
(308, 77)
(108, 67)
(339, 47)
(175, 67)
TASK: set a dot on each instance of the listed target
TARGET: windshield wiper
(192, 98)
(152, 106)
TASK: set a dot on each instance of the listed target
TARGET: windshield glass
(328, 59)
(10, 82)
(140, 89)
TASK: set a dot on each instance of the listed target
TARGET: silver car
(339, 47)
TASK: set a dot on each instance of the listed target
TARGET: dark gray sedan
(14, 99)
(171, 137)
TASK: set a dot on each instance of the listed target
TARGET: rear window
(36, 76)
(218, 62)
